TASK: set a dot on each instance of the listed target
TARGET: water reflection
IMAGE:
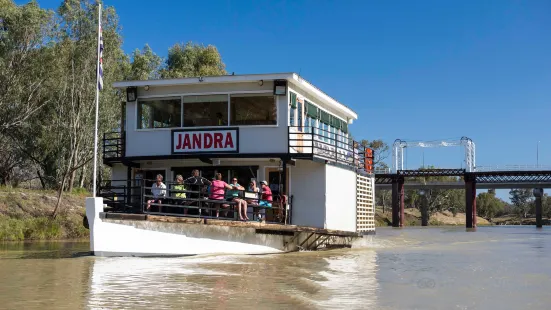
(300, 280)
(435, 268)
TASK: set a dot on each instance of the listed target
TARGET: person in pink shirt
(217, 192)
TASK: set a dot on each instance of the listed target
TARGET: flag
(100, 73)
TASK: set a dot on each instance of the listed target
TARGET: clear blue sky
(415, 70)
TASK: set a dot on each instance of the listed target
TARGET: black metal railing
(136, 196)
(330, 146)
(199, 203)
(121, 195)
(113, 145)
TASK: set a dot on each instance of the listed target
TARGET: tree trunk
(63, 181)
(71, 181)
(82, 177)
(41, 179)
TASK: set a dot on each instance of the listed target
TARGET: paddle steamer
(277, 128)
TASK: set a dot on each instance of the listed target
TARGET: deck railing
(330, 146)
(113, 145)
(121, 195)
(138, 198)
(198, 204)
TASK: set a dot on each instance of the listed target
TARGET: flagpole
(97, 105)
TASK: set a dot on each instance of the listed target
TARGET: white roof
(244, 78)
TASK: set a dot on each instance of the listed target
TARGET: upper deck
(245, 116)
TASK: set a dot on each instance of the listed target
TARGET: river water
(413, 268)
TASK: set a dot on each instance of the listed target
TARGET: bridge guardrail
(489, 168)
(382, 171)
(512, 168)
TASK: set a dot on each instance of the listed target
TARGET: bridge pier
(470, 201)
(538, 193)
(398, 202)
(402, 195)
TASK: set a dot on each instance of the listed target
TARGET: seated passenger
(267, 199)
(233, 195)
(217, 191)
(177, 191)
(158, 191)
(252, 203)
(253, 188)
(197, 183)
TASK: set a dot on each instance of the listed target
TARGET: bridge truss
(399, 146)
(514, 178)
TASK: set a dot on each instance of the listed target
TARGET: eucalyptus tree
(25, 61)
(73, 114)
(191, 59)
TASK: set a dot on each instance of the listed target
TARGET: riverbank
(26, 215)
(413, 218)
(446, 218)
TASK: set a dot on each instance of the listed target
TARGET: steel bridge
(472, 177)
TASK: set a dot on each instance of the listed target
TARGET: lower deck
(306, 193)
(116, 234)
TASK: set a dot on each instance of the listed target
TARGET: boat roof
(292, 77)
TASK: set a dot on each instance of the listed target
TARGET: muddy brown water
(413, 268)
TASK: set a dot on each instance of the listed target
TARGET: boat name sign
(205, 140)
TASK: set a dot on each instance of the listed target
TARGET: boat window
(293, 105)
(159, 113)
(253, 110)
(211, 110)
(300, 109)
(309, 124)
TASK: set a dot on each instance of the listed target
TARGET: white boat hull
(133, 235)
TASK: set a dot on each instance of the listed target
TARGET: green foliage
(437, 200)
(13, 229)
(190, 59)
(41, 228)
(381, 151)
(81, 191)
(488, 205)
(145, 64)
(25, 61)
(546, 205)
(522, 199)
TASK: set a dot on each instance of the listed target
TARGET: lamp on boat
(131, 94)
(280, 87)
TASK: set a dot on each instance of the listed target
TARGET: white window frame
(137, 103)
(276, 98)
(182, 95)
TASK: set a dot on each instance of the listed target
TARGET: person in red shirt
(267, 199)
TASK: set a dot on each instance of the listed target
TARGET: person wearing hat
(267, 199)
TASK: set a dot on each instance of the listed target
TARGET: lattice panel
(384, 178)
(365, 203)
